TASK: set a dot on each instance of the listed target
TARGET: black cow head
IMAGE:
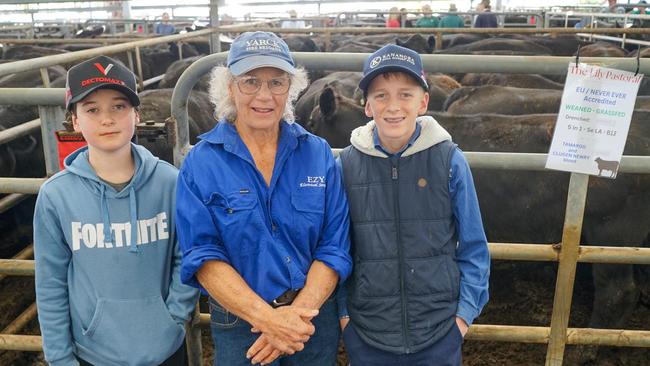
(416, 43)
(335, 117)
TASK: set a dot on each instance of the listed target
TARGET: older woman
(262, 216)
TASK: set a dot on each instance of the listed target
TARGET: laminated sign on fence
(593, 120)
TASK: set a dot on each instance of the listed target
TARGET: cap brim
(255, 62)
(133, 97)
(365, 81)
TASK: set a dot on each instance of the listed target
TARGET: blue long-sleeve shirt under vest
(471, 253)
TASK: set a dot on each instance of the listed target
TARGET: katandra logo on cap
(393, 58)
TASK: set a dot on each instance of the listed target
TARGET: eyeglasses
(250, 85)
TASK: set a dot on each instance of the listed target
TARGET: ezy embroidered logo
(314, 182)
(102, 69)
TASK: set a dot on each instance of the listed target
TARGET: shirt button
(230, 210)
(288, 259)
(274, 227)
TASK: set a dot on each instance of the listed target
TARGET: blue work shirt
(472, 255)
(270, 234)
(165, 29)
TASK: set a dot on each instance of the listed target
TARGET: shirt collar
(225, 133)
(414, 136)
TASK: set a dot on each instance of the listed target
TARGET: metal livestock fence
(557, 335)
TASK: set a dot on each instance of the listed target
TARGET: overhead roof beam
(20, 2)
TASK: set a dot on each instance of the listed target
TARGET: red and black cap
(101, 72)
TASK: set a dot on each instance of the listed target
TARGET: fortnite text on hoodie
(92, 235)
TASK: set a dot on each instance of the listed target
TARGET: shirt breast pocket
(308, 214)
(237, 219)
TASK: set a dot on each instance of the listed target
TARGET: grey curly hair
(220, 80)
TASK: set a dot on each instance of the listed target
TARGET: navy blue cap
(393, 58)
(252, 50)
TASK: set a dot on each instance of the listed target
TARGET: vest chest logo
(315, 181)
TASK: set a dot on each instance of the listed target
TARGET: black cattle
(522, 206)
(91, 31)
(499, 46)
(176, 69)
(156, 107)
(345, 84)
(513, 80)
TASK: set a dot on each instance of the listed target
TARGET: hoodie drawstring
(133, 211)
(108, 234)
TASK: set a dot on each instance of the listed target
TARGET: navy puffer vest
(403, 292)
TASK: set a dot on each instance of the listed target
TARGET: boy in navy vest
(420, 253)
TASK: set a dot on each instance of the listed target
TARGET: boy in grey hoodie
(108, 287)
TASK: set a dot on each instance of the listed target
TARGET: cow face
(335, 117)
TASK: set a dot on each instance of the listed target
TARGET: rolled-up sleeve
(197, 234)
(334, 246)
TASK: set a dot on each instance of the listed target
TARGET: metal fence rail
(70, 57)
(557, 335)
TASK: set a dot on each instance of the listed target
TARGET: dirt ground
(522, 299)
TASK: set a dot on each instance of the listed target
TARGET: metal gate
(556, 335)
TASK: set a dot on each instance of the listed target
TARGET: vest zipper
(395, 179)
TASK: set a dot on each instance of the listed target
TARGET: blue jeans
(445, 352)
(232, 337)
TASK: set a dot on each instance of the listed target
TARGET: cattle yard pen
(557, 335)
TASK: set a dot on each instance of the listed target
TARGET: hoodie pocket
(141, 328)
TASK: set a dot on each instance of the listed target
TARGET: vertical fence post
(573, 218)
(193, 339)
(328, 40)
(624, 34)
(129, 58)
(51, 120)
(215, 41)
(138, 63)
(45, 77)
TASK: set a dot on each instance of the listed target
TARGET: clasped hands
(284, 332)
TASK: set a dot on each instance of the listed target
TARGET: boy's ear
(75, 120)
(424, 104)
(367, 109)
(137, 116)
